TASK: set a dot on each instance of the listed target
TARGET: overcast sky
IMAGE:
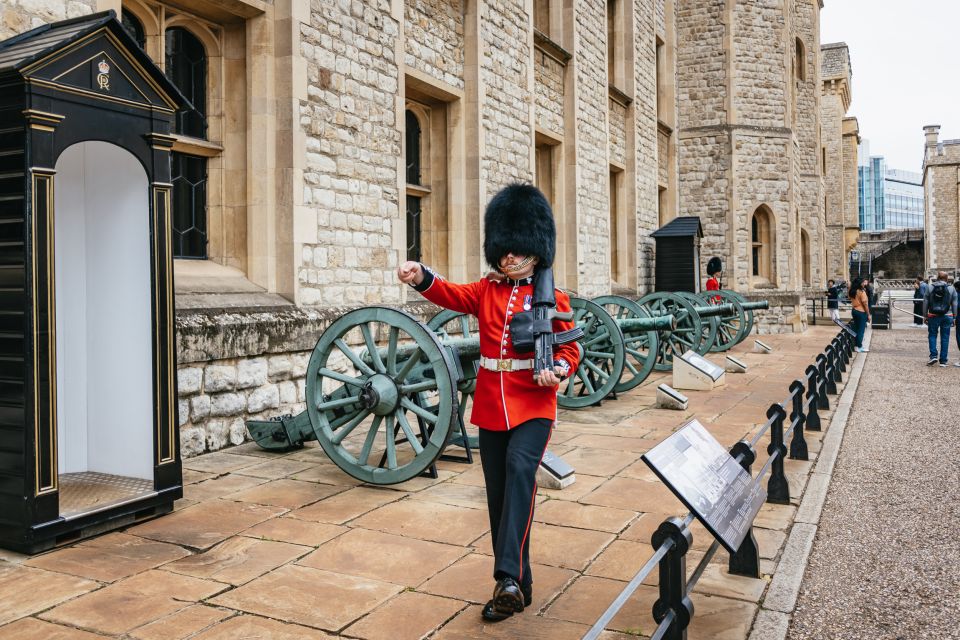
(905, 63)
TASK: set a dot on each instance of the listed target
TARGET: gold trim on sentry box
(161, 196)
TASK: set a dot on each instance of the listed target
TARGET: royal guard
(515, 406)
(715, 271)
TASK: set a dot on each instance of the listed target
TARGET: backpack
(939, 300)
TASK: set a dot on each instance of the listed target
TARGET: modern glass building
(889, 198)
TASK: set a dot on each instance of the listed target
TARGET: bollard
(798, 445)
(813, 399)
(841, 355)
(673, 579)
(829, 373)
(778, 491)
(822, 374)
(833, 357)
(746, 560)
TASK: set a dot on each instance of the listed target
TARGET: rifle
(533, 330)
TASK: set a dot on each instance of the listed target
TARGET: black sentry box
(88, 420)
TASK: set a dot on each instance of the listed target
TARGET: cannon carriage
(387, 394)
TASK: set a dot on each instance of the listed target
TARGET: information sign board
(703, 475)
(703, 365)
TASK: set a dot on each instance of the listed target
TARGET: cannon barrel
(713, 310)
(657, 323)
(754, 306)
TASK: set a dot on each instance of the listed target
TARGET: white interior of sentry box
(104, 361)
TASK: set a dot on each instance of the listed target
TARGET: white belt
(507, 364)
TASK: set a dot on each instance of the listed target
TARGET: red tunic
(503, 400)
(713, 285)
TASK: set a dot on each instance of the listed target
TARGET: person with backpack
(940, 308)
(861, 310)
(956, 288)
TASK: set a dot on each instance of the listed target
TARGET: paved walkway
(884, 563)
(288, 547)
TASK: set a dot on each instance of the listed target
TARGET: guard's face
(517, 265)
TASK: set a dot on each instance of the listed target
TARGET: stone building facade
(340, 137)
(841, 139)
(941, 185)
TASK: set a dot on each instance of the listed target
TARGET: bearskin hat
(714, 266)
(519, 220)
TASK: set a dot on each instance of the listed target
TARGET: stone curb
(773, 619)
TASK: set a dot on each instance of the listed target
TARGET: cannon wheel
(711, 324)
(641, 346)
(730, 331)
(364, 419)
(453, 324)
(602, 356)
(747, 312)
(689, 329)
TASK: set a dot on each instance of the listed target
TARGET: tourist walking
(919, 293)
(514, 406)
(833, 300)
(861, 310)
(940, 308)
(956, 288)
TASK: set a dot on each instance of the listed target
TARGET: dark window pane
(134, 27)
(756, 261)
(413, 148)
(755, 232)
(189, 177)
(187, 69)
(414, 248)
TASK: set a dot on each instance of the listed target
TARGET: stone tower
(841, 137)
(749, 140)
(941, 221)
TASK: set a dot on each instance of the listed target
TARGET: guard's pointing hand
(410, 272)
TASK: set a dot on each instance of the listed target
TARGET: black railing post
(813, 399)
(834, 359)
(831, 371)
(778, 491)
(841, 355)
(798, 445)
(822, 373)
(673, 578)
(848, 343)
(746, 560)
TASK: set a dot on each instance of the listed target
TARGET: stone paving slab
(287, 546)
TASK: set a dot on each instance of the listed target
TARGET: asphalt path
(886, 560)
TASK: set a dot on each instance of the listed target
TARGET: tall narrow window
(662, 213)
(544, 177)
(660, 77)
(186, 66)
(133, 26)
(615, 253)
(760, 244)
(541, 16)
(805, 257)
(801, 65)
(612, 41)
(414, 137)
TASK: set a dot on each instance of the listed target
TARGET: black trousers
(510, 460)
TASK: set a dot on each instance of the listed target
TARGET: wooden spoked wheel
(641, 345)
(448, 325)
(732, 327)
(688, 333)
(368, 371)
(602, 356)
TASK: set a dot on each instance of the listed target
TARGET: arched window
(805, 256)
(133, 26)
(414, 140)
(760, 244)
(186, 66)
(801, 62)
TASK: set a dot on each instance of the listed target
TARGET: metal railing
(673, 609)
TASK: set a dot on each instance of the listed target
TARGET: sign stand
(554, 472)
(693, 371)
(669, 398)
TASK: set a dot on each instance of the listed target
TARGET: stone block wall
(702, 57)
(759, 89)
(941, 185)
(787, 312)
(17, 16)
(353, 143)
(618, 132)
(433, 39)
(648, 21)
(593, 207)
(507, 135)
